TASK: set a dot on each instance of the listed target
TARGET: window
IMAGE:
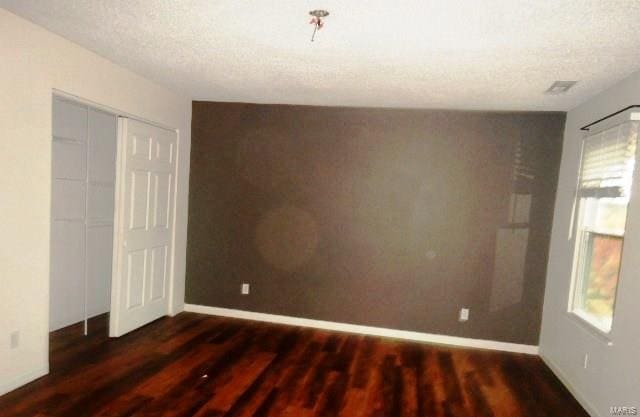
(602, 197)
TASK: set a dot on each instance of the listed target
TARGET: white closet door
(146, 171)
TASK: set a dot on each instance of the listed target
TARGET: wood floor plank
(203, 366)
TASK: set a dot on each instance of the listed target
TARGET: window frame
(580, 277)
(578, 229)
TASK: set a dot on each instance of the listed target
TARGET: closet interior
(82, 212)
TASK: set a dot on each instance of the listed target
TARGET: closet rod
(586, 127)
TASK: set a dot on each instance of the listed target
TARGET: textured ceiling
(459, 54)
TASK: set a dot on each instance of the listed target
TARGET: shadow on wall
(512, 240)
(287, 237)
(393, 218)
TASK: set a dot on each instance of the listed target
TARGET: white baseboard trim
(23, 379)
(590, 408)
(367, 330)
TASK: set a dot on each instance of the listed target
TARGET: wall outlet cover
(15, 340)
(464, 314)
(245, 289)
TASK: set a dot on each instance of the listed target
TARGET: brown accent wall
(391, 218)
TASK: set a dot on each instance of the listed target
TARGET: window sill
(582, 322)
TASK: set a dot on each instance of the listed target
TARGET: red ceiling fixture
(317, 20)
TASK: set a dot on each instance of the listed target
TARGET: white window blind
(608, 159)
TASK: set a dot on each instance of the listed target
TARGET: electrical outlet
(585, 361)
(244, 289)
(15, 340)
(464, 314)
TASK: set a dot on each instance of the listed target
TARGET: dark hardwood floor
(195, 365)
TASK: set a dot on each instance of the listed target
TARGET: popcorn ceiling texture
(492, 54)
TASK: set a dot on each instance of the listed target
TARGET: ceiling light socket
(560, 87)
(319, 13)
(317, 20)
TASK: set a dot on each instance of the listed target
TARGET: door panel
(144, 225)
(136, 271)
(164, 151)
(158, 272)
(139, 197)
(140, 147)
(162, 196)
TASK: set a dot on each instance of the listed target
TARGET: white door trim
(71, 97)
(114, 313)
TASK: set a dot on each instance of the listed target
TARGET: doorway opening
(83, 172)
(113, 194)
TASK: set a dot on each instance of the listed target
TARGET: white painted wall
(612, 377)
(34, 62)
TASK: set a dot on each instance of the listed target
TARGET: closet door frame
(62, 95)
